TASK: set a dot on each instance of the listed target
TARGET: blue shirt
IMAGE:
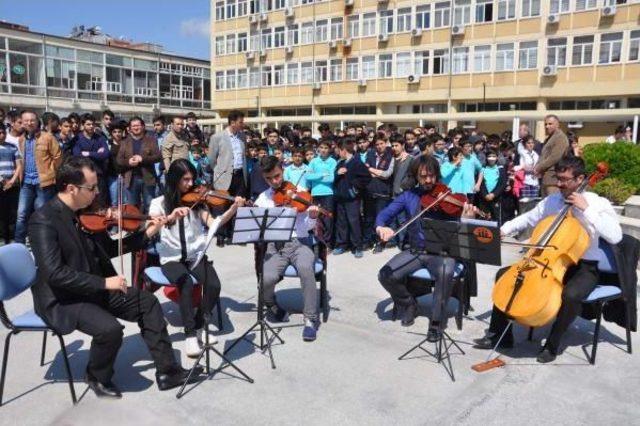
(491, 175)
(238, 154)
(160, 137)
(470, 167)
(9, 154)
(321, 175)
(452, 176)
(297, 175)
(30, 169)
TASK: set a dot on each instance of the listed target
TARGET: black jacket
(501, 185)
(72, 265)
(350, 185)
(379, 187)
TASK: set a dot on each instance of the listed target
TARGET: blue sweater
(93, 145)
(321, 175)
(297, 175)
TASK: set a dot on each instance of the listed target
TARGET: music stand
(469, 240)
(261, 226)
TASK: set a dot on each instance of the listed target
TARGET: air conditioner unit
(383, 1)
(346, 42)
(317, 85)
(553, 19)
(469, 124)
(575, 125)
(253, 19)
(608, 10)
(348, 3)
(383, 38)
(549, 70)
(457, 30)
(416, 32)
(289, 50)
(250, 55)
(362, 82)
(263, 53)
(288, 12)
(333, 44)
(413, 79)
(263, 17)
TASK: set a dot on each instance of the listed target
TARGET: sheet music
(280, 223)
(210, 236)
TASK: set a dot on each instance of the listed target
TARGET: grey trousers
(303, 259)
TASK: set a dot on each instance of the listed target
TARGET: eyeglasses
(566, 180)
(92, 188)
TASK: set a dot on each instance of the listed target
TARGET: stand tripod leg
(418, 346)
(243, 337)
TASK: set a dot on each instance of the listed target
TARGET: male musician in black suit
(77, 287)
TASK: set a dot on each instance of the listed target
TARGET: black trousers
(327, 203)
(8, 211)
(371, 207)
(395, 273)
(348, 231)
(580, 280)
(179, 274)
(99, 320)
(237, 188)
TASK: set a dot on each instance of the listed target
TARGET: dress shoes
(434, 334)
(409, 315)
(489, 342)
(546, 355)
(103, 390)
(177, 377)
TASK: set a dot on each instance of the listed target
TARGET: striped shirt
(30, 170)
(9, 154)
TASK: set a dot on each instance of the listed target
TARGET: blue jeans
(113, 192)
(32, 197)
(140, 194)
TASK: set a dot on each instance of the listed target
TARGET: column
(379, 112)
(514, 128)
(635, 129)
(452, 123)
(539, 125)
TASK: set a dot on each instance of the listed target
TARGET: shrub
(614, 190)
(623, 159)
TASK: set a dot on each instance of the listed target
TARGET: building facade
(62, 75)
(485, 63)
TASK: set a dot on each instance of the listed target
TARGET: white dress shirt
(599, 220)
(303, 224)
(236, 148)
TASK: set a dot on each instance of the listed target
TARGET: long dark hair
(177, 170)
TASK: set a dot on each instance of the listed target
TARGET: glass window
(278, 75)
(403, 20)
(292, 35)
(321, 30)
(336, 28)
(460, 60)
(306, 72)
(461, 12)
(278, 37)
(25, 46)
(484, 10)
(505, 57)
(219, 80)
(582, 50)
(386, 21)
(231, 44)
(254, 77)
(335, 70)
(403, 64)
(231, 13)
(242, 79)
(306, 33)
(353, 68)
(254, 41)
(530, 8)
(61, 74)
(219, 16)
(116, 60)
(267, 77)
(423, 16)
(59, 52)
(368, 24)
(242, 42)
(385, 66)
(220, 45)
(528, 55)
(354, 26)
(293, 73)
(557, 51)
(634, 45)
(610, 48)
(321, 71)
(442, 14)
(482, 58)
(3, 45)
(95, 57)
(586, 4)
(90, 78)
(266, 39)
(369, 67)
(231, 79)
(278, 4)
(242, 11)
(506, 9)
(421, 63)
(440, 61)
(559, 6)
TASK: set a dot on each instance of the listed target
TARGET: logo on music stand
(483, 235)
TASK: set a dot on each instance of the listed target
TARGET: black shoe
(433, 334)
(177, 377)
(379, 248)
(546, 355)
(276, 314)
(489, 342)
(103, 390)
(220, 241)
(409, 315)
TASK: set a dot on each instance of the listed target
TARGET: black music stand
(261, 226)
(469, 240)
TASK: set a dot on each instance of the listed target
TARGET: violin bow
(120, 245)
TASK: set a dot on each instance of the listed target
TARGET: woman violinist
(599, 220)
(393, 275)
(182, 238)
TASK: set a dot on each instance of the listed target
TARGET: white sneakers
(201, 337)
(192, 347)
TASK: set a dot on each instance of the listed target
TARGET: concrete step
(632, 207)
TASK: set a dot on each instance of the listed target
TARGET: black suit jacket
(71, 265)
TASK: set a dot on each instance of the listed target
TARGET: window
(60, 74)
(321, 71)
(484, 10)
(145, 65)
(242, 11)
(278, 4)
(385, 66)
(582, 50)
(231, 44)
(461, 12)
(386, 21)
(482, 58)
(242, 79)
(266, 76)
(231, 79)
(242, 42)
(368, 67)
(460, 60)
(586, 4)
(335, 70)
(219, 80)
(403, 20)
(219, 17)
(306, 33)
(442, 14)
(368, 24)
(278, 75)
(220, 45)
(321, 30)
(254, 77)
(506, 9)
(231, 12)
(403, 64)
(56, 51)
(292, 35)
(528, 56)
(117, 60)
(278, 37)
(559, 6)
(293, 74)
(423, 15)
(336, 28)
(610, 48)
(440, 61)
(634, 45)
(96, 57)
(254, 41)
(266, 39)
(352, 68)
(421, 63)
(530, 8)
(354, 26)
(504, 57)
(306, 72)
(557, 51)
(254, 7)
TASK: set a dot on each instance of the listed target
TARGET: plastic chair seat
(29, 320)
(291, 271)
(154, 275)
(603, 292)
(424, 273)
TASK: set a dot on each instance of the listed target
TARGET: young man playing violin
(77, 287)
(181, 241)
(599, 220)
(393, 275)
(296, 252)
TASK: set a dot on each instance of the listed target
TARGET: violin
(449, 204)
(203, 195)
(289, 195)
(99, 220)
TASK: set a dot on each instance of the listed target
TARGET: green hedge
(623, 159)
(614, 190)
